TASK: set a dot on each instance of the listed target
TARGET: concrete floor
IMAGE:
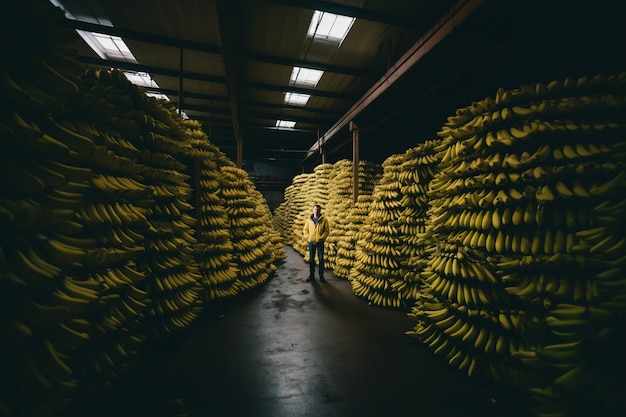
(297, 349)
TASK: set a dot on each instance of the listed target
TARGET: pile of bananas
(167, 255)
(253, 249)
(527, 215)
(340, 201)
(264, 214)
(289, 210)
(377, 254)
(97, 254)
(415, 247)
(354, 219)
(331, 186)
(45, 295)
(318, 187)
(214, 251)
(302, 210)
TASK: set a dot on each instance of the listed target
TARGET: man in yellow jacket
(316, 230)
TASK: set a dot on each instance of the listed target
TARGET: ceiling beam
(346, 10)
(303, 90)
(290, 107)
(461, 10)
(125, 65)
(214, 49)
(289, 62)
(142, 36)
(229, 26)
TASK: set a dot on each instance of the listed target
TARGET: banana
(51, 363)
(22, 180)
(575, 378)
(39, 315)
(13, 331)
(569, 151)
(76, 305)
(31, 268)
(29, 377)
(544, 194)
(563, 190)
(617, 181)
(579, 189)
(63, 253)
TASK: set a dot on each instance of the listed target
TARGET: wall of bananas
(120, 221)
(504, 240)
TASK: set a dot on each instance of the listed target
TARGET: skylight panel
(285, 124)
(329, 26)
(306, 76)
(112, 47)
(297, 98)
(142, 79)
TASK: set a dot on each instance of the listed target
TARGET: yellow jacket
(315, 233)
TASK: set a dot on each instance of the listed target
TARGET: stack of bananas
(45, 294)
(415, 176)
(317, 193)
(338, 203)
(214, 250)
(527, 284)
(377, 255)
(354, 223)
(252, 248)
(169, 259)
(264, 214)
(286, 212)
(302, 209)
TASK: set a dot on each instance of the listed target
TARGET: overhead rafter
(168, 72)
(289, 62)
(461, 10)
(228, 21)
(346, 10)
(142, 36)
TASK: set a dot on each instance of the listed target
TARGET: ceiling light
(306, 76)
(142, 79)
(285, 124)
(297, 98)
(330, 27)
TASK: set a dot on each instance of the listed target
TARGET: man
(316, 229)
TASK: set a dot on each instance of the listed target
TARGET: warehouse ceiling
(402, 69)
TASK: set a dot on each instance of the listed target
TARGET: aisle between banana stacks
(293, 349)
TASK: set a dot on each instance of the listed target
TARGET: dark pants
(319, 248)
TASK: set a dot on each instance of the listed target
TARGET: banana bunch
(355, 220)
(415, 246)
(264, 213)
(173, 276)
(338, 183)
(214, 250)
(584, 374)
(45, 296)
(316, 191)
(470, 339)
(376, 274)
(253, 251)
(526, 210)
(300, 210)
(340, 201)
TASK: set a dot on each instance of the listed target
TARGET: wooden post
(355, 161)
(180, 83)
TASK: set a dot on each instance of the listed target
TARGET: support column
(180, 83)
(355, 161)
